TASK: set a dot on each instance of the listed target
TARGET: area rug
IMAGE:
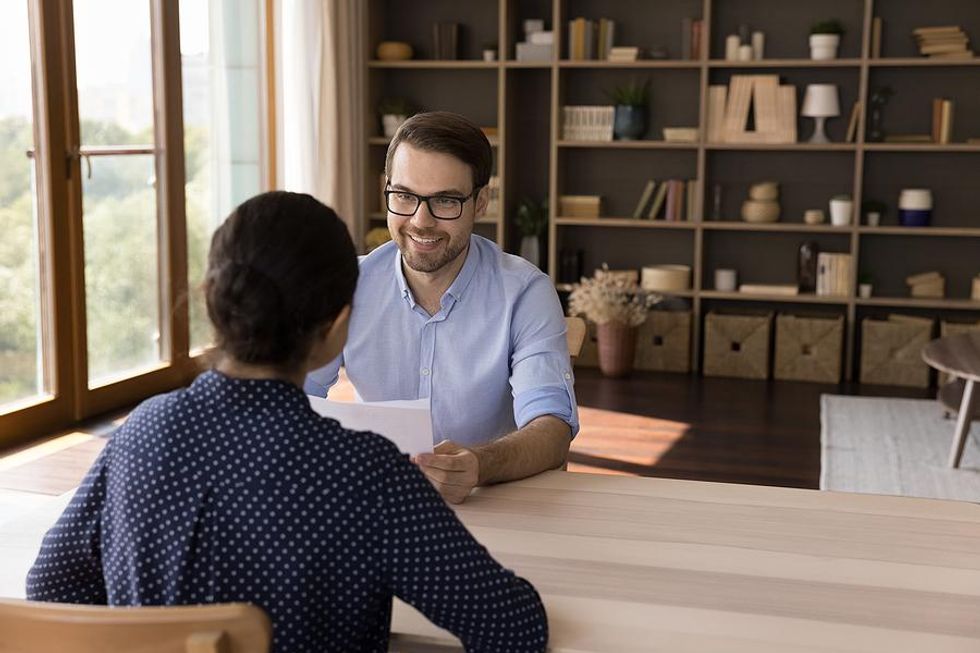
(894, 446)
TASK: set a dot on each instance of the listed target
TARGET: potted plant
(841, 209)
(531, 219)
(490, 51)
(865, 285)
(873, 210)
(618, 306)
(631, 100)
(879, 98)
(824, 39)
(394, 111)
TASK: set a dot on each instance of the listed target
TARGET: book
(853, 124)
(644, 198)
(692, 193)
(717, 94)
(764, 91)
(658, 201)
(672, 197)
(937, 117)
(787, 289)
(686, 24)
(923, 277)
(946, 122)
(876, 37)
(786, 96)
(697, 37)
(737, 109)
(908, 138)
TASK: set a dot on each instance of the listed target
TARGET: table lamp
(820, 102)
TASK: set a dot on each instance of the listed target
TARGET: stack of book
(587, 123)
(943, 42)
(927, 284)
(623, 53)
(833, 273)
(590, 39)
(773, 105)
(580, 206)
(445, 40)
(942, 120)
(673, 199)
(692, 34)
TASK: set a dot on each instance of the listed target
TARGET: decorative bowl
(760, 211)
(394, 51)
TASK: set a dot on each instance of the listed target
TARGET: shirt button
(425, 371)
(568, 375)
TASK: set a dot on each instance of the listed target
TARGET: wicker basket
(808, 348)
(947, 328)
(663, 342)
(891, 351)
(737, 345)
(589, 356)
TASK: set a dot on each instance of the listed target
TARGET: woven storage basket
(808, 348)
(663, 342)
(589, 356)
(737, 345)
(891, 351)
(947, 328)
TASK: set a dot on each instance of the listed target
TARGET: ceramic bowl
(760, 211)
(914, 217)
(394, 51)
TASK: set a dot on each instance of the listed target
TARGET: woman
(233, 489)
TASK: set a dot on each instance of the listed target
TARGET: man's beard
(429, 262)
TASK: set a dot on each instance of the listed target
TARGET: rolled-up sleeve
(541, 378)
(319, 381)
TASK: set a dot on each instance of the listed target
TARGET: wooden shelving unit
(523, 101)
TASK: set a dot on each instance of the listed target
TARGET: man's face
(426, 243)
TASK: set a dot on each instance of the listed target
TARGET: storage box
(580, 206)
(663, 342)
(737, 345)
(808, 348)
(891, 350)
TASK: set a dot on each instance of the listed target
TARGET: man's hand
(452, 469)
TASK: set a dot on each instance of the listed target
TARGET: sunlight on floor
(610, 436)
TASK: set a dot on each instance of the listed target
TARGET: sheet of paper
(406, 423)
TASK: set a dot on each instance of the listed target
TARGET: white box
(534, 52)
(541, 38)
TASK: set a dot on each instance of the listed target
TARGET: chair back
(30, 626)
(575, 335)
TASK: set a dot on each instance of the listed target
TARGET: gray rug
(894, 446)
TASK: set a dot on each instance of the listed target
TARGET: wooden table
(959, 356)
(629, 564)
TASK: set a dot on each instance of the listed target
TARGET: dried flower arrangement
(609, 297)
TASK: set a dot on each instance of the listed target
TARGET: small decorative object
(915, 207)
(618, 306)
(806, 266)
(681, 134)
(394, 111)
(726, 279)
(394, 51)
(731, 47)
(865, 286)
(824, 39)
(376, 237)
(758, 45)
(879, 98)
(841, 210)
(745, 53)
(489, 51)
(716, 202)
(531, 219)
(814, 216)
(631, 102)
(666, 278)
(820, 102)
(873, 210)
(975, 292)
(763, 203)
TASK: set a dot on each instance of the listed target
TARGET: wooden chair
(29, 626)
(575, 335)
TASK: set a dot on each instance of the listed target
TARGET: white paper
(406, 423)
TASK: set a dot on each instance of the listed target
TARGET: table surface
(639, 564)
(958, 355)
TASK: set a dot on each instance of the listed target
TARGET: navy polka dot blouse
(235, 490)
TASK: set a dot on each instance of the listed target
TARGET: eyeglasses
(441, 207)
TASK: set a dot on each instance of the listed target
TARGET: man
(444, 314)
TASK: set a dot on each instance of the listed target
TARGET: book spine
(946, 127)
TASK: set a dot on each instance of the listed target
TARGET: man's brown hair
(448, 133)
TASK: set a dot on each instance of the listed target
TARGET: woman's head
(281, 269)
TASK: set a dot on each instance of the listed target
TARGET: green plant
(532, 216)
(873, 206)
(396, 106)
(631, 94)
(832, 26)
(842, 196)
(490, 45)
(865, 277)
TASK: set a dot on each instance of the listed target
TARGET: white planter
(824, 46)
(864, 290)
(530, 250)
(489, 55)
(391, 122)
(874, 218)
(840, 212)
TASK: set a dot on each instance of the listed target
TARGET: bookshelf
(523, 101)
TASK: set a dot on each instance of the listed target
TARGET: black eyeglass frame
(425, 198)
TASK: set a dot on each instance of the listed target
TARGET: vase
(630, 122)
(806, 266)
(824, 46)
(617, 345)
(876, 130)
(530, 250)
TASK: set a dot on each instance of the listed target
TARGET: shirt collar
(458, 286)
(248, 394)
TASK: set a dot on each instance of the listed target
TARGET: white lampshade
(821, 101)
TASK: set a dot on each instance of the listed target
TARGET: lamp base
(819, 135)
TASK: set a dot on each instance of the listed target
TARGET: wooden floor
(667, 425)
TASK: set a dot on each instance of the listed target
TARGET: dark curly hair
(280, 266)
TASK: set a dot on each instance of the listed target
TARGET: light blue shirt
(493, 358)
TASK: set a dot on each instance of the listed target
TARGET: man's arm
(454, 470)
(318, 382)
